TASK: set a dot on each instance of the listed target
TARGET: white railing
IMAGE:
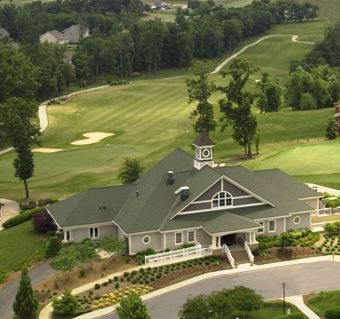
(329, 211)
(229, 255)
(178, 253)
(249, 253)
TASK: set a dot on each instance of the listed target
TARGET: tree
(331, 130)
(220, 306)
(53, 247)
(245, 300)
(195, 308)
(132, 307)
(112, 244)
(131, 171)
(66, 305)
(43, 222)
(16, 125)
(26, 303)
(286, 240)
(307, 102)
(270, 97)
(200, 89)
(236, 107)
(67, 258)
(88, 253)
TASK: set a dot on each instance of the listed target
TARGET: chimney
(170, 179)
(184, 192)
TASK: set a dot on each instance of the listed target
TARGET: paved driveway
(300, 279)
(8, 291)
(10, 209)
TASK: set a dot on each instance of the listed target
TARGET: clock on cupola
(203, 151)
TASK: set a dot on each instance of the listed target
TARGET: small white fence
(179, 253)
(249, 253)
(229, 255)
(328, 211)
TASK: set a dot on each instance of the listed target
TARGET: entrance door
(228, 239)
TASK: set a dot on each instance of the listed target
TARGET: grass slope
(323, 301)
(20, 245)
(150, 117)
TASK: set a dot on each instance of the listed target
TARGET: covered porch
(234, 240)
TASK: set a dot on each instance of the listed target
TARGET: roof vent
(170, 179)
(184, 192)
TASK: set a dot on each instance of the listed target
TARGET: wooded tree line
(122, 43)
(315, 81)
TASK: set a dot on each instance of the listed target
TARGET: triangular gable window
(222, 199)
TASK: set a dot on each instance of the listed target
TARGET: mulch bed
(277, 254)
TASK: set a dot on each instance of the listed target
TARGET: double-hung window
(179, 238)
(94, 233)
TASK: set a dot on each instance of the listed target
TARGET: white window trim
(269, 230)
(299, 220)
(218, 200)
(93, 237)
(263, 230)
(191, 241)
(181, 243)
(149, 240)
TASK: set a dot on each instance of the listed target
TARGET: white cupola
(203, 151)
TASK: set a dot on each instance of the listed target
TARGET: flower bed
(330, 244)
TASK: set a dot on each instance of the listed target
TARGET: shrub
(332, 228)
(333, 313)
(126, 274)
(140, 256)
(117, 285)
(28, 205)
(22, 217)
(104, 284)
(43, 222)
(53, 247)
(82, 273)
(3, 276)
(97, 286)
(45, 201)
(66, 305)
(115, 278)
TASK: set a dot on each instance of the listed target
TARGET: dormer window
(222, 199)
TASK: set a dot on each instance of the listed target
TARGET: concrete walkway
(10, 209)
(46, 313)
(299, 303)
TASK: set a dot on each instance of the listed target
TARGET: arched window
(222, 199)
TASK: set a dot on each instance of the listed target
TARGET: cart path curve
(42, 112)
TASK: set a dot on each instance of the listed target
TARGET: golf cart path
(9, 209)
(293, 36)
(42, 112)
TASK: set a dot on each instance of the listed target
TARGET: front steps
(240, 256)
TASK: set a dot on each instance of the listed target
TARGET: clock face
(206, 153)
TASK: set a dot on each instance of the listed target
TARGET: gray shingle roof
(156, 206)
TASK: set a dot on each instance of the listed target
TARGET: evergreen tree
(26, 303)
(66, 305)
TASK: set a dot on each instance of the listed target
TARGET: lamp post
(284, 297)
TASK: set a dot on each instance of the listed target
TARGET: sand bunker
(92, 138)
(46, 150)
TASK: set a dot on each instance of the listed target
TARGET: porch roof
(214, 222)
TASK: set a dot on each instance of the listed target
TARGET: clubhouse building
(187, 199)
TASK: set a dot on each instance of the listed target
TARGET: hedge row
(22, 217)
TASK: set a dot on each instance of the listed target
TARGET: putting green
(311, 159)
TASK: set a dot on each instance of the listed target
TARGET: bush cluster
(332, 203)
(24, 216)
(333, 228)
(119, 82)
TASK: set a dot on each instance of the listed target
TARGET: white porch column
(213, 241)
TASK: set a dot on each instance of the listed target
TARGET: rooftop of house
(151, 203)
(56, 34)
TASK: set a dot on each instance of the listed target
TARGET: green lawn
(20, 245)
(323, 301)
(273, 310)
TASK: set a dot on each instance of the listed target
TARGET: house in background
(76, 32)
(186, 199)
(54, 37)
(337, 115)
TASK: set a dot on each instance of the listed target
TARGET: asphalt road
(8, 291)
(300, 279)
